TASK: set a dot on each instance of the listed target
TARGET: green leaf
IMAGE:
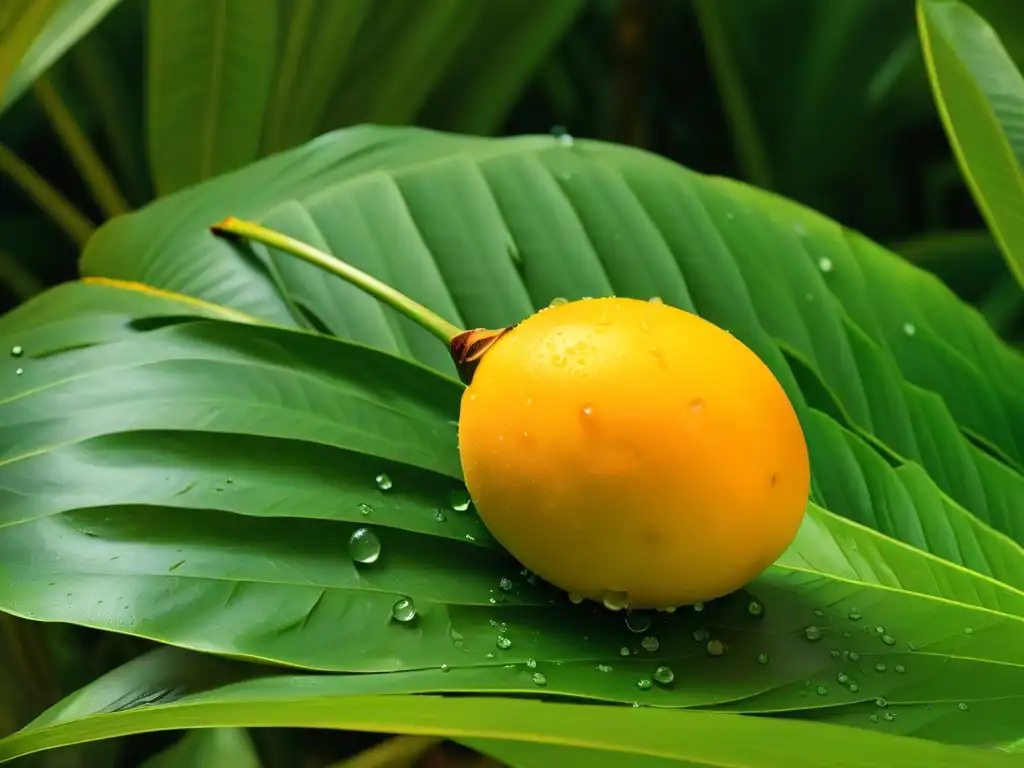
(320, 38)
(980, 95)
(211, 65)
(511, 41)
(528, 732)
(402, 53)
(36, 33)
(115, 448)
(843, 78)
(208, 747)
(486, 231)
(177, 505)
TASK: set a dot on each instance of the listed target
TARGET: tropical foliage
(195, 431)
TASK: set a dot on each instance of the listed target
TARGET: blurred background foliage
(827, 103)
(824, 102)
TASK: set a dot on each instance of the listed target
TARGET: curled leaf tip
(468, 349)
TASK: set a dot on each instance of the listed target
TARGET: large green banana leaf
(195, 480)
(170, 690)
(486, 231)
(194, 459)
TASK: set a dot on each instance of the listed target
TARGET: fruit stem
(398, 301)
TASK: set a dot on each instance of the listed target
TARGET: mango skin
(617, 445)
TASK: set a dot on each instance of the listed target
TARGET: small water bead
(562, 136)
(539, 679)
(822, 690)
(638, 622)
(854, 615)
(503, 642)
(879, 630)
(459, 500)
(17, 351)
(445, 668)
(664, 675)
(649, 644)
(835, 653)
(873, 717)
(880, 666)
(505, 584)
(588, 410)
(812, 633)
(615, 601)
(854, 656)
(404, 610)
(762, 658)
(489, 655)
(19, 371)
(365, 509)
(439, 516)
(604, 668)
(843, 678)
(968, 631)
(900, 669)
(469, 537)
(888, 640)
(755, 608)
(624, 651)
(656, 300)
(558, 301)
(364, 546)
(962, 706)
(698, 606)
(716, 647)
(825, 264)
(531, 663)
(384, 482)
(644, 683)
(818, 612)
(889, 716)
(669, 609)
(575, 598)
(881, 703)
(909, 329)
